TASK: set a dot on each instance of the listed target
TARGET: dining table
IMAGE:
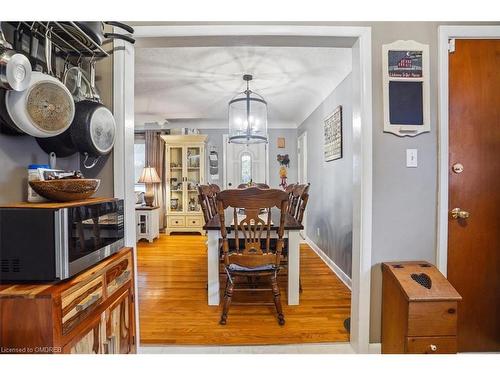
(292, 233)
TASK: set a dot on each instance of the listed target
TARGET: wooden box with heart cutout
(419, 309)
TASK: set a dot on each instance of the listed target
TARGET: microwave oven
(55, 241)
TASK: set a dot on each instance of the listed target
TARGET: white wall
(329, 208)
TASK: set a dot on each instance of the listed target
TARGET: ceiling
(196, 83)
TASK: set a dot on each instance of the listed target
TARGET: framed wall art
(405, 65)
(333, 135)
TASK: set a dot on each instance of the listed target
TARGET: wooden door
(120, 335)
(474, 143)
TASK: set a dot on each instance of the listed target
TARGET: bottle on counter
(34, 175)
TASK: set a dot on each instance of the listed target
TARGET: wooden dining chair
(253, 257)
(206, 199)
(298, 201)
(298, 196)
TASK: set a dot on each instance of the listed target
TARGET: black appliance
(45, 242)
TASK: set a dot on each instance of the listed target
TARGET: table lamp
(149, 177)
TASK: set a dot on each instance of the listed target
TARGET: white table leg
(213, 267)
(293, 266)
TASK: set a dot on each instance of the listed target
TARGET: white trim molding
(445, 34)
(362, 141)
(330, 263)
(123, 152)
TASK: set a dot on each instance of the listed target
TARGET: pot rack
(65, 40)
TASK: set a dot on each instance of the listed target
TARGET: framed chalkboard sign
(405, 65)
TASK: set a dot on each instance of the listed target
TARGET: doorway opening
(244, 163)
(359, 40)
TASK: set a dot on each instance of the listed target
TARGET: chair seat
(238, 268)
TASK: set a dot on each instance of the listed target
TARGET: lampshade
(247, 117)
(149, 176)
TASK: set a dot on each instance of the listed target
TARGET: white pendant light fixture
(248, 117)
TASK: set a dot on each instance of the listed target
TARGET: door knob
(458, 213)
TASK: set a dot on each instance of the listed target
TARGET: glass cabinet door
(176, 177)
(193, 177)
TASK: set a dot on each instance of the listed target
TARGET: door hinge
(451, 45)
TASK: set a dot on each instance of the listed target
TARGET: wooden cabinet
(185, 163)
(419, 309)
(147, 221)
(92, 312)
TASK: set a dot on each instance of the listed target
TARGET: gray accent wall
(404, 199)
(16, 153)
(329, 210)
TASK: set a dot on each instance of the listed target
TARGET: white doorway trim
(445, 34)
(362, 140)
(224, 160)
(123, 151)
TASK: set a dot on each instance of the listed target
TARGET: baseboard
(375, 348)
(330, 263)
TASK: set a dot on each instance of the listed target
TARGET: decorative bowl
(65, 190)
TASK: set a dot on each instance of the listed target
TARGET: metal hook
(87, 158)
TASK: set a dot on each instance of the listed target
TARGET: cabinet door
(91, 342)
(120, 333)
(194, 176)
(143, 223)
(176, 164)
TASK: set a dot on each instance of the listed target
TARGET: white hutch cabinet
(185, 166)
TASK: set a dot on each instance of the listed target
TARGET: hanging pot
(15, 68)
(93, 131)
(62, 145)
(46, 107)
(7, 125)
(77, 83)
(90, 33)
(95, 30)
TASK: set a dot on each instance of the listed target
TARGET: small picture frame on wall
(281, 142)
(333, 135)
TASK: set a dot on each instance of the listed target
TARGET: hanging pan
(46, 107)
(94, 129)
(92, 132)
(15, 68)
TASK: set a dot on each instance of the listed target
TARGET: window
(246, 168)
(139, 162)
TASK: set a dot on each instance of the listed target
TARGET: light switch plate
(411, 158)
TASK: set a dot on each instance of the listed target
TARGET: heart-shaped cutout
(423, 279)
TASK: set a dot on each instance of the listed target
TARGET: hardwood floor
(172, 277)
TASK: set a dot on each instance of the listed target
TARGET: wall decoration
(281, 142)
(284, 161)
(406, 88)
(333, 135)
(213, 163)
